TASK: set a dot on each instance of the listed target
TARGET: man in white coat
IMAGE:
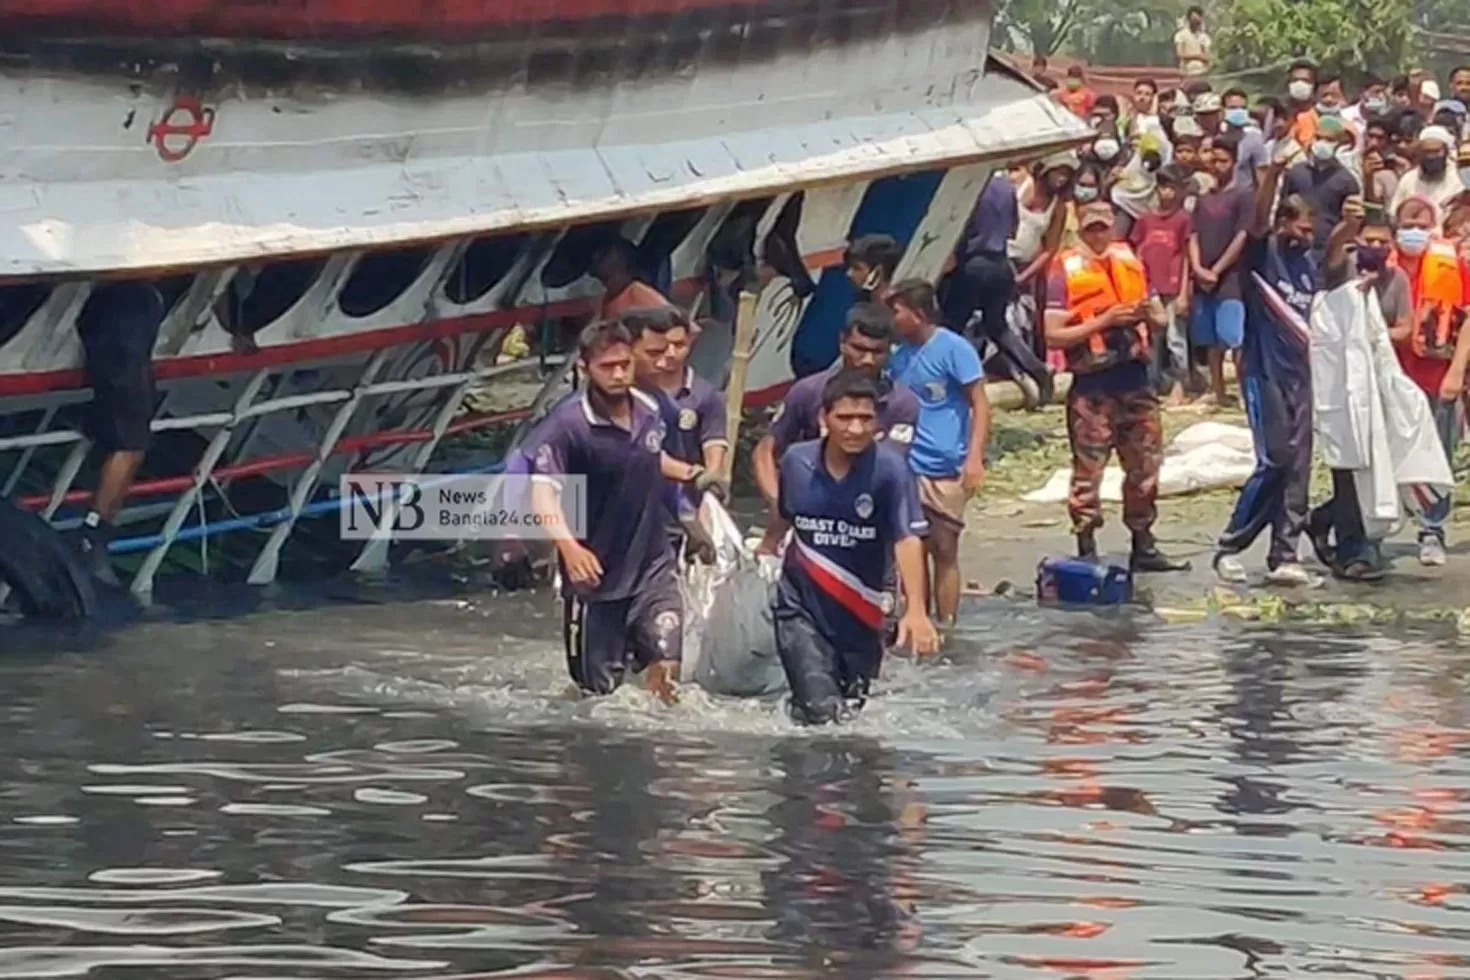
(1373, 424)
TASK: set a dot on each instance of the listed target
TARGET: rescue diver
(866, 341)
(853, 510)
(622, 607)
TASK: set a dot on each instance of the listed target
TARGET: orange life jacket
(1439, 295)
(1098, 283)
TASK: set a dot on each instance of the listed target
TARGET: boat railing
(306, 486)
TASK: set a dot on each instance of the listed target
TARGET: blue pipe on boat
(146, 542)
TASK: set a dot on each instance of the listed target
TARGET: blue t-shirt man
(938, 372)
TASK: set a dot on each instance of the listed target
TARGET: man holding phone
(1100, 308)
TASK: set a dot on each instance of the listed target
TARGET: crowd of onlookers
(1194, 232)
(1180, 166)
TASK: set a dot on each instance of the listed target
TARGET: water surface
(406, 790)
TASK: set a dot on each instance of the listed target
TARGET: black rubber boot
(1147, 557)
(1086, 545)
(1047, 382)
(96, 535)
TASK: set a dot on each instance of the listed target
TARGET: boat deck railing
(300, 505)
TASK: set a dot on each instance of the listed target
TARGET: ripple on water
(303, 708)
(283, 893)
(73, 961)
(388, 797)
(151, 876)
(274, 810)
(136, 921)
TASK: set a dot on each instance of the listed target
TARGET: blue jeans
(1447, 424)
(1216, 322)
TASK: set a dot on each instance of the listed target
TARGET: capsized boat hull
(344, 256)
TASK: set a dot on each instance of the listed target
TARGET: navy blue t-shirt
(843, 537)
(625, 489)
(799, 416)
(698, 421)
(1279, 286)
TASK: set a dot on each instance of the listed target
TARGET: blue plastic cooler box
(1084, 582)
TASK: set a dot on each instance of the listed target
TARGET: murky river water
(405, 790)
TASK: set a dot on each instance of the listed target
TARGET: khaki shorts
(944, 501)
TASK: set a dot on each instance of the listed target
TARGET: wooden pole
(739, 363)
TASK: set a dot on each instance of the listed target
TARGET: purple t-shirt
(1218, 218)
(699, 421)
(626, 501)
(838, 562)
(799, 416)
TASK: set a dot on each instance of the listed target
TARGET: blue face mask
(1413, 241)
(1237, 118)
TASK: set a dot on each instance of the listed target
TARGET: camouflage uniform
(1096, 425)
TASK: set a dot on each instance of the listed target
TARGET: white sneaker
(1230, 569)
(1292, 573)
(1431, 551)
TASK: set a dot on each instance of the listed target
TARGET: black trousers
(828, 683)
(1341, 517)
(976, 301)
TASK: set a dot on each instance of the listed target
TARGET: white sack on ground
(729, 634)
(1368, 415)
(1205, 456)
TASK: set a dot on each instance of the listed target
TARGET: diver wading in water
(622, 607)
(852, 509)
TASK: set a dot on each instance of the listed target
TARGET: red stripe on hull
(175, 368)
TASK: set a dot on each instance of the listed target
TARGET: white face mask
(1106, 148)
(1323, 150)
(1085, 193)
(1300, 90)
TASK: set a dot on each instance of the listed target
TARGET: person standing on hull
(866, 340)
(622, 608)
(1099, 311)
(118, 327)
(853, 510)
(948, 454)
(1282, 275)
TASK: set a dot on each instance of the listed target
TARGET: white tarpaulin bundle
(1206, 456)
(1369, 416)
(729, 635)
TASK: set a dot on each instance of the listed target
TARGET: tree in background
(1101, 33)
(1040, 26)
(1345, 35)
